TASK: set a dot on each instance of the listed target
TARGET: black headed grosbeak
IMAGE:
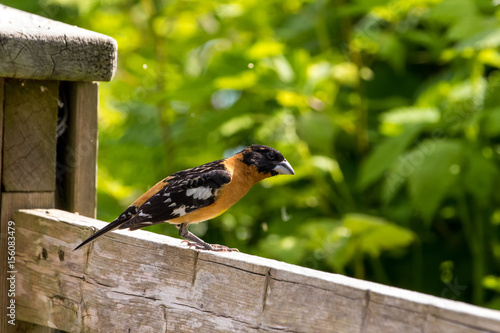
(201, 193)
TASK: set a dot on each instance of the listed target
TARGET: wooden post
(47, 69)
(1, 126)
(29, 138)
(77, 163)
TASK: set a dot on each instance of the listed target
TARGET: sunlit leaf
(377, 235)
(328, 165)
(244, 80)
(492, 282)
(291, 99)
(410, 115)
(282, 67)
(346, 73)
(235, 125)
(263, 49)
(489, 39)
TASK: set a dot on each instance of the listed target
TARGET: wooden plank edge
(64, 52)
(459, 313)
(82, 146)
(10, 202)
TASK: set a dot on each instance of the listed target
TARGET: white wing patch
(141, 214)
(181, 211)
(200, 193)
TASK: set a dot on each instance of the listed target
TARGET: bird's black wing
(177, 195)
(184, 192)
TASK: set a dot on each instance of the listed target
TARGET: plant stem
(479, 259)
(474, 234)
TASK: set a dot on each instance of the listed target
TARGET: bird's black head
(267, 160)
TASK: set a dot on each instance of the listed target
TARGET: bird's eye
(271, 155)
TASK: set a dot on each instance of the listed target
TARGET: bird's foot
(193, 244)
(223, 248)
(210, 247)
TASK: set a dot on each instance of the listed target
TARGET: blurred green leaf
(409, 116)
(393, 50)
(489, 39)
(492, 282)
(480, 176)
(385, 154)
(244, 80)
(316, 129)
(491, 122)
(328, 165)
(492, 98)
(452, 11)
(235, 125)
(377, 235)
(435, 165)
(264, 49)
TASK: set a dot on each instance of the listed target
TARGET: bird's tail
(123, 218)
(111, 226)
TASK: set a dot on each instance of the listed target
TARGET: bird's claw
(213, 247)
(196, 245)
(223, 248)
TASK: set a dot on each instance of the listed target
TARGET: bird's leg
(192, 240)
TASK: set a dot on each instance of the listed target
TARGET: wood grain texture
(3, 245)
(23, 327)
(29, 138)
(77, 159)
(9, 203)
(34, 47)
(143, 282)
(1, 123)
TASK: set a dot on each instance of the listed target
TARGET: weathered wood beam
(1, 124)
(23, 327)
(143, 282)
(11, 202)
(77, 153)
(29, 137)
(35, 47)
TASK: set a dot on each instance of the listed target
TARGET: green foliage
(434, 162)
(388, 111)
(384, 155)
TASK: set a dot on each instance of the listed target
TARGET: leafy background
(389, 112)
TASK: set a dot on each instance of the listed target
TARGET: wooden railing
(143, 282)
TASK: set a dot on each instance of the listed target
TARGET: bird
(199, 194)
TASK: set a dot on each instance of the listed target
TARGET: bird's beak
(284, 168)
